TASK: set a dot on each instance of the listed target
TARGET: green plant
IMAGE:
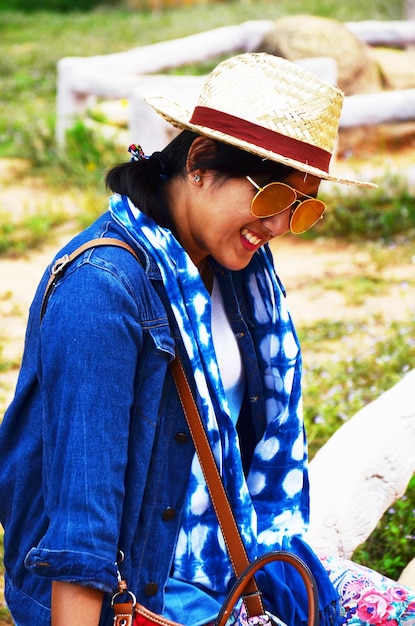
(82, 166)
(357, 288)
(52, 5)
(381, 214)
(383, 255)
(83, 147)
(79, 170)
(90, 206)
(82, 163)
(359, 363)
(19, 235)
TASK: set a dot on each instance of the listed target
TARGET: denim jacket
(94, 449)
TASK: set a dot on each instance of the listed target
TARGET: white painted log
(83, 79)
(408, 575)
(115, 75)
(382, 107)
(146, 126)
(191, 49)
(384, 33)
(78, 88)
(362, 470)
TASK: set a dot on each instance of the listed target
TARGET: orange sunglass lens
(272, 199)
(306, 215)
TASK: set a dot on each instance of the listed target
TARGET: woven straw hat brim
(178, 116)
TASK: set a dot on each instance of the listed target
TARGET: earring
(197, 178)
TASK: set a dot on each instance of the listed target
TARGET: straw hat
(266, 105)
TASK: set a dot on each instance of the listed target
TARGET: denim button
(168, 514)
(181, 438)
(151, 589)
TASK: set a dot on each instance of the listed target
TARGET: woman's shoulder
(102, 260)
(108, 245)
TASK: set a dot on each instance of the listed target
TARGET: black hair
(144, 181)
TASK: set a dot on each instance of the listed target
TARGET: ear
(201, 149)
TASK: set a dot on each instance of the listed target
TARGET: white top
(227, 354)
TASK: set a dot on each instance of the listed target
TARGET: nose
(277, 224)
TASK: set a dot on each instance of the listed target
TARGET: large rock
(396, 67)
(296, 37)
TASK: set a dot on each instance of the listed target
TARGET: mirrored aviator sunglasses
(275, 198)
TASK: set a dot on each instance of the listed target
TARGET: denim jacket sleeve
(92, 337)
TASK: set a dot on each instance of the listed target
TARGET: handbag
(129, 611)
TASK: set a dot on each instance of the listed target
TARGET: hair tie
(136, 151)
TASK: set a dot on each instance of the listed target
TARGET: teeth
(253, 239)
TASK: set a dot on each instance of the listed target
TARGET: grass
(339, 377)
(356, 289)
(359, 362)
(381, 215)
(30, 231)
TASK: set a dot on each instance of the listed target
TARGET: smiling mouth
(253, 239)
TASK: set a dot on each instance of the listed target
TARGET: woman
(97, 459)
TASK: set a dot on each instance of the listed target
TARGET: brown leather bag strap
(221, 504)
(60, 264)
(270, 557)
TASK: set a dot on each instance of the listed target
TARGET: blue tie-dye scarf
(271, 504)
